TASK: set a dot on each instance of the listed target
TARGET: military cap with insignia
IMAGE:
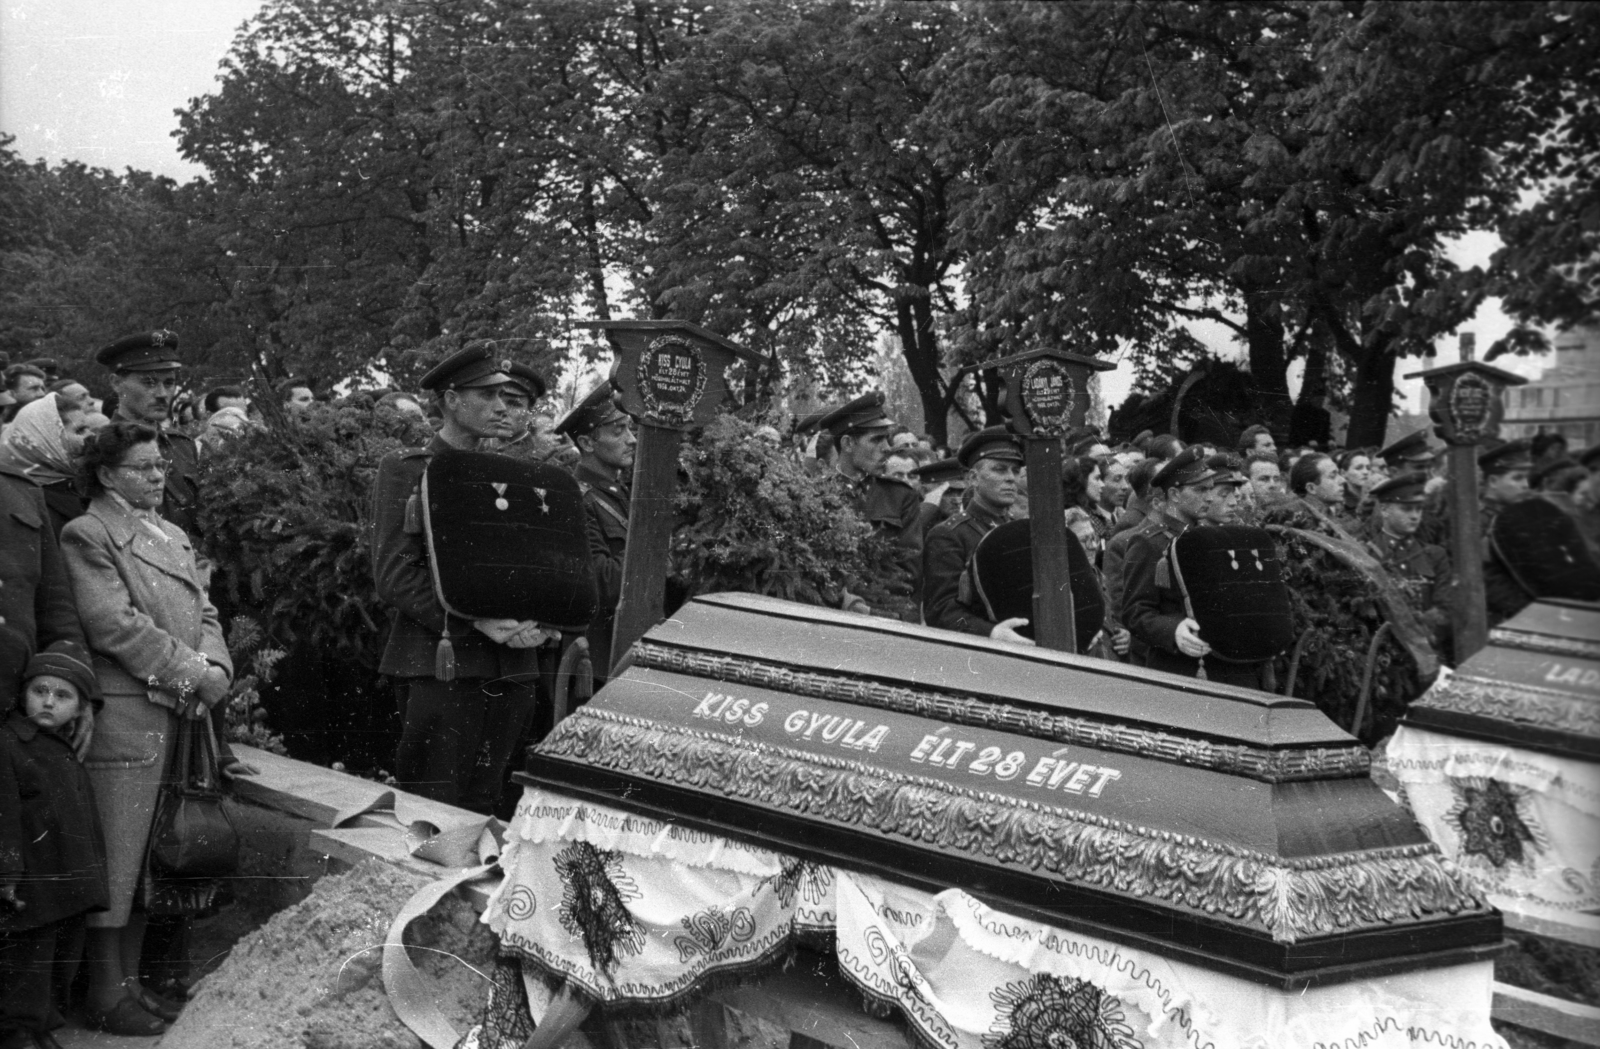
(1186, 468)
(146, 351)
(808, 423)
(1513, 455)
(478, 365)
(865, 414)
(994, 442)
(1406, 488)
(1227, 468)
(1411, 450)
(597, 409)
(944, 471)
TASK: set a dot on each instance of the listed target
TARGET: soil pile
(311, 978)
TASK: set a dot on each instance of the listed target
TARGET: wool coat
(153, 632)
(50, 840)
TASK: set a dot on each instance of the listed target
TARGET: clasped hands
(514, 633)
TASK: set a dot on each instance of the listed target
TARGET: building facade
(1566, 398)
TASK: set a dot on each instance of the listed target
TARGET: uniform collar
(977, 512)
(595, 478)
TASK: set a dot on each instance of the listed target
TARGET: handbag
(193, 835)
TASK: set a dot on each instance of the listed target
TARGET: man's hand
(530, 635)
(1121, 641)
(1188, 638)
(853, 603)
(1007, 631)
(497, 630)
(83, 732)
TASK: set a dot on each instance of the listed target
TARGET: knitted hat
(68, 661)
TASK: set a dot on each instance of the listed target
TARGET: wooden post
(1466, 402)
(1047, 397)
(1471, 611)
(672, 375)
(1053, 619)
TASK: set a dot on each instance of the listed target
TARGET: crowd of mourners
(109, 637)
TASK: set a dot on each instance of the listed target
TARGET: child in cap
(52, 854)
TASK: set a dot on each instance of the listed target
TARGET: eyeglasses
(159, 468)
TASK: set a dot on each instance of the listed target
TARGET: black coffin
(1222, 826)
(1535, 685)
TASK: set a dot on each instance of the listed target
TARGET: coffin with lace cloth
(1221, 827)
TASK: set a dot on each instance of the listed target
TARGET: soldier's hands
(530, 635)
(1121, 641)
(83, 732)
(1188, 639)
(499, 631)
(1007, 631)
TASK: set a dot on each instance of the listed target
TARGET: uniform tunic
(894, 509)
(605, 503)
(949, 547)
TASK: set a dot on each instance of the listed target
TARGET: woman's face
(1093, 486)
(140, 477)
(1358, 473)
(75, 430)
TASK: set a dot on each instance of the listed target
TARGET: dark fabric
(400, 570)
(27, 961)
(1540, 545)
(894, 509)
(1422, 569)
(50, 840)
(1113, 562)
(35, 595)
(606, 504)
(1152, 606)
(64, 501)
(459, 737)
(181, 502)
(1132, 516)
(1232, 578)
(949, 547)
(1001, 573)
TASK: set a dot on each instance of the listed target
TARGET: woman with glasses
(159, 655)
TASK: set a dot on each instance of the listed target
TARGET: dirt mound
(311, 977)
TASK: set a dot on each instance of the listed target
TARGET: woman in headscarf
(43, 444)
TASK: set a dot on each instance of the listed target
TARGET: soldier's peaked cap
(479, 364)
(597, 409)
(1406, 488)
(145, 351)
(1513, 455)
(1412, 448)
(1186, 468)
(865, 414)
(994, 442)
(944, 471)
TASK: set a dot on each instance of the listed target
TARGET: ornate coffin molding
(1270, 766)
(1526, 704)
(1289, 899)
(1551, 643)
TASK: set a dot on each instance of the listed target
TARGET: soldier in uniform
(1153, 608)
(993, 460)
(953, 476)
(860, 431)
(1505, 472)
(144, 371)
(459, 734)
(1421, 569)
(604, 435)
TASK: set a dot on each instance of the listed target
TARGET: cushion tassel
(444, 659)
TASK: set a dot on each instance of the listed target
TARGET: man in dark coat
(145, 371)
(467, 687)
(603, 433)
(1153, 608)
(35, 596)
(860, 430)
(993, 460)
(1505, 472)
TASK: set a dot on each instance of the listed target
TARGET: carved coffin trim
(1524, 704)
(1288, 899)
(1551, 643)
(1271, 766)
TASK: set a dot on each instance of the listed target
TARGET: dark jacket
(894, 509)
(606, 503)
(50, 840)
(405, 583)
(948, 549)
(1152, 606)
(35, 595)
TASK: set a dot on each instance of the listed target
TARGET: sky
(99, 81)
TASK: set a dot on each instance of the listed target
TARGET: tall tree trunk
(1269, 363)
(1373, 395)
(919, 344)
(591, 243)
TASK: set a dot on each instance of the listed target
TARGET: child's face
(50, 702)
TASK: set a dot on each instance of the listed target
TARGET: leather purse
(193, 835)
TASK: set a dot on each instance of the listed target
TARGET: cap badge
(158, 338)
(505, 365)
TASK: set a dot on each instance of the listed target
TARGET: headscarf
(35, 442)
